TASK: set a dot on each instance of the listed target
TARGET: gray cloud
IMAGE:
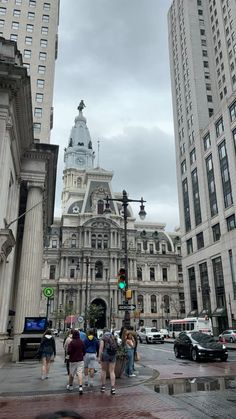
(114, 55)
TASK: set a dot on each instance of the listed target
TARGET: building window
(40, 83)
(183, 167)
(192, 156)
(225, 177)
(73, 243)
(46, 6)
(100, 206)
(189, 243)
(206, 141)
(27, 53)
(72, 273)
(231, 222)
(16, 13)
(42, 56)
(186, 205)
(28, 40)
(31, 15)
(232, 270)
(151, 250)
(54, 244)
(200, 240)
(15, 25)
(205, 287)
(140, 303)
(39, 97)
(196, 198)
(192, 288)
(32, 3)
(232, 111)
(2, 22)
(37, 127)
(41, 69)
(38, 112)
(98, 270)
(152, 274)
(18, 2)
(219, 127)
(139, 273)
(163, 249)
(153, 304)
(13, 37)
(44, 30)
(52, 272)
(216, 232)
(211, 186)
(164, 275)
(43, 43)
(29, 28)
(27, 66)
(2, 11)
(219, 281)
(139, 247)
(45, 18)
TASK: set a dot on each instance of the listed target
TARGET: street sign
(80, 319)
(127, 307)
(48, 292)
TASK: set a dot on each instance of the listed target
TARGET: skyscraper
(33, 25)
(202, 45)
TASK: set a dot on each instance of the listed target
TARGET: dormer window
(100, 206)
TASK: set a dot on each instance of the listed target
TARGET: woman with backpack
(46, 351)
(107, 358)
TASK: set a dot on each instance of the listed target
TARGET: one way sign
(126, 307)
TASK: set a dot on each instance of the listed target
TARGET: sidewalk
(23, 395)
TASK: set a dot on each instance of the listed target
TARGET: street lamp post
(71, 291)
(142, 214)
(86, 295)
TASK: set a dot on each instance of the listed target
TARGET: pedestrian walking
(92, 350)
(129, 346)
(76, 352)
(46, 352)
(67, 340)
(107, 357)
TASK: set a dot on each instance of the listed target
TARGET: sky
(113, 54)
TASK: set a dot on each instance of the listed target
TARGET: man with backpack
(107, 357)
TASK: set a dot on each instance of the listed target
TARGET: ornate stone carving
(7, 242)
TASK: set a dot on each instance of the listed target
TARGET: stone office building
(85, 250)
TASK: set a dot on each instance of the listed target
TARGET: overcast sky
(113, 54)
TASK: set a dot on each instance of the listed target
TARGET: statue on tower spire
(81, 106)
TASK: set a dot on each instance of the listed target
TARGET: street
(23, 395)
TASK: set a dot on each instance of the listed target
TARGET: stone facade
(85, 250)
(27, 187)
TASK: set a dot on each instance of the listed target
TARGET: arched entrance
(101, 321)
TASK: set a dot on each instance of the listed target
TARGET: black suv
(196, 345)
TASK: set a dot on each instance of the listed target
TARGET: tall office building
(202, 45)
(33, 24)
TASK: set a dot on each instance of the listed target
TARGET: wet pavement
(23, 395)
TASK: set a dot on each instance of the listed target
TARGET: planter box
(119, 367)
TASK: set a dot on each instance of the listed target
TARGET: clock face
(80, 160)
(75, 209)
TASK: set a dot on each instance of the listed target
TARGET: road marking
(158, 349)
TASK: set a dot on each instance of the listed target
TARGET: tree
(94, 313)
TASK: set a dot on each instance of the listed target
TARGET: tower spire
(98, 162)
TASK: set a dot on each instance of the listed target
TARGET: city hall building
(85, 250)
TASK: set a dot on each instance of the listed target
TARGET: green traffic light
(122, 285)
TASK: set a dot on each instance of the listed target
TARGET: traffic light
(128, 294)
(122, 279)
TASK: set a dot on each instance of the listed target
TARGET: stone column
(30, 272)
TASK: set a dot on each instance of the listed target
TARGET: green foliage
(94, 313)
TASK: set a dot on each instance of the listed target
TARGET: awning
(219, 312)
(204, 313)
(193, 313)
(70, 319)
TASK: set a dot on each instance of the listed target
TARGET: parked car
(150, 335)
(165, 333)
(197, 345)
(228, 336)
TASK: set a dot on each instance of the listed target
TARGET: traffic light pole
(125, 201)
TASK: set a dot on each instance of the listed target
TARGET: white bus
(191, 324)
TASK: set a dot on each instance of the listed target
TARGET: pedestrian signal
(122, 279)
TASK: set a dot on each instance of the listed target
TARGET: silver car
(228, 336)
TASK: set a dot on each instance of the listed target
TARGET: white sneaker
(132, 375)
(70, 388)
